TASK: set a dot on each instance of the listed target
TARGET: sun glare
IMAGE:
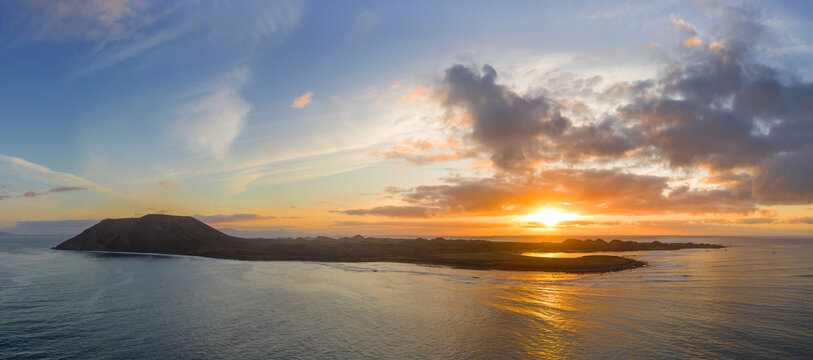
(550, 217)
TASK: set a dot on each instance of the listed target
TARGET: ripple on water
(691, 304)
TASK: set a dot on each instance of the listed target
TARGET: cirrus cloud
(211, 122)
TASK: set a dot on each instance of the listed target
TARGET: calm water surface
(752, 300)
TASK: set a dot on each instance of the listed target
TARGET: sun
(550, 217)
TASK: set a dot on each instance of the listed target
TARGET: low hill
(153, 233)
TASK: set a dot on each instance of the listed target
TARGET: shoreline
(546, 266)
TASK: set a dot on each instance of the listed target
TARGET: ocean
(753, 299)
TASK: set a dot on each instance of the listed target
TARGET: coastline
(595, 263)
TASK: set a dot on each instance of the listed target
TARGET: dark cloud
(722, 108)
(232, 218)
(801, 220)
(67, 188)
(59, 189)
(261, 232)
(393, 190)
(507, 125)
(755, 220)
(786, 178)
(395, 211)
(420, 224)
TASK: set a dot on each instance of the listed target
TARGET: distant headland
(182, 235)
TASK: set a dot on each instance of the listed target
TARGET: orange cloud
(692, 42)
(716, 46)
(418, 151)
(303, 100)
(414, 96)
(584, 192)
(683, 23)
(371, 93)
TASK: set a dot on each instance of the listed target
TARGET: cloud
(233, 218)
(423, 152)
(726, 132)
(67, 188)
(583, 190)
(395, 211)
(418, 225)
(209, 123)
(801, 220)
(754, 221)
(78, 19)
(587, 191)
(253, 20)
(261, 232)
(365, 22)
(303, 100)
(49, 227)
(119, 30)
(34, 172)
(786, 178)
(520, 132)
(167, 185)
(683, 24)
(392, 190)
(126, 51)
(692, 42)
(59, 189)
(413, 96)
(723, 109)
(504, 123)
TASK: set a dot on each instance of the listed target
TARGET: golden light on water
(558, 255)
(550, 217)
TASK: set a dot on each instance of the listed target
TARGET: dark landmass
(7, 234)
(181, 235)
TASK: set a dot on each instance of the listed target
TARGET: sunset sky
(409, 118)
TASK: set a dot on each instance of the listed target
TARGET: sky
(425, 118)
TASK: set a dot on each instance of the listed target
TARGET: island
(183, 235)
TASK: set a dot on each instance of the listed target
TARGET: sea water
(751, 300)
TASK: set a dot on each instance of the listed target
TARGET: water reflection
(564, 255)
(554, 254)
(750, 301)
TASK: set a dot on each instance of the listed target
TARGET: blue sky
(188, 108)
